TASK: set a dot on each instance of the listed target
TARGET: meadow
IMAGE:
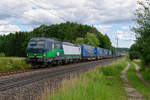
(12, 63)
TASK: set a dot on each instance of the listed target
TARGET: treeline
(141, 48)
(122, 50)
(15, 44)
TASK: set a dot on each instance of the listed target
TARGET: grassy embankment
(102, 84)
(12, 63)
(136, 83)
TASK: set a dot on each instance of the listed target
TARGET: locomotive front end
(36, 51)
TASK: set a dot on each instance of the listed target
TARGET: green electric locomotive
(45, 51)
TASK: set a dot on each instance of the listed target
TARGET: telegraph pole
(117, 42)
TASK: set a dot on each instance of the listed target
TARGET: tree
(142, 31)
(133, 52)
(80, 40)
(14, 44)
(91, 39)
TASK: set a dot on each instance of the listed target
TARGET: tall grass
(137, 83)
(102, 84)
(12, 63)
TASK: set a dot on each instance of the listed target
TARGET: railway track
(13, 72)
(8, 83)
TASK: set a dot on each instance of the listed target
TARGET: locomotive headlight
(44, 54)
(57, 53)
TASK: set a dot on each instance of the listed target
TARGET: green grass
(137, 83)
(12, 63)
(102, 84)
(138, 62)
(146, 74)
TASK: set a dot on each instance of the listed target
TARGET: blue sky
(122, 32)
(19, 15)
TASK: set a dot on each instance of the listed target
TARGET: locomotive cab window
(36, 44)
(49, 45)
(57, 46)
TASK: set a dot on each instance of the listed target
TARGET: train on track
(46, 51)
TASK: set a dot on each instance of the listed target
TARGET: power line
(47, 9)
(17, 15)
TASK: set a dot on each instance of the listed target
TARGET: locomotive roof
(71, 44)
(42, 38)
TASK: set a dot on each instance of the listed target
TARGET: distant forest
(122, 50)
(14, 44)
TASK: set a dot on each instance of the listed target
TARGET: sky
(111, 17)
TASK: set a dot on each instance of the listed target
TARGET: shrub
(7, 64)
(2, 54)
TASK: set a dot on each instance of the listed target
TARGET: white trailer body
(71, 49)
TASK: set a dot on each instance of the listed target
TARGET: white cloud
(125, 27)
(123, 35)
(40, 16)
(3, 22)
(103, 28)
(100, 13)
(6, 28)
(81, 11)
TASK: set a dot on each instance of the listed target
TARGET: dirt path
(132, 94)
(140, 76)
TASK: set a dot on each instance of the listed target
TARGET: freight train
(46, 51)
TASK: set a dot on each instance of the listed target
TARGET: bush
(133, 52)
(114, 69)
(133, 55)
(7, 64)
(2, 54)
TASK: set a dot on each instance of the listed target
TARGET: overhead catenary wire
(38, 6)
(47, 9)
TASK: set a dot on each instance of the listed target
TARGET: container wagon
(88, 52)
(99, 53)
(109, 54)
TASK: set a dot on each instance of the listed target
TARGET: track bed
(12, 87)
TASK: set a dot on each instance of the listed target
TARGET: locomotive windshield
(36, 44)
